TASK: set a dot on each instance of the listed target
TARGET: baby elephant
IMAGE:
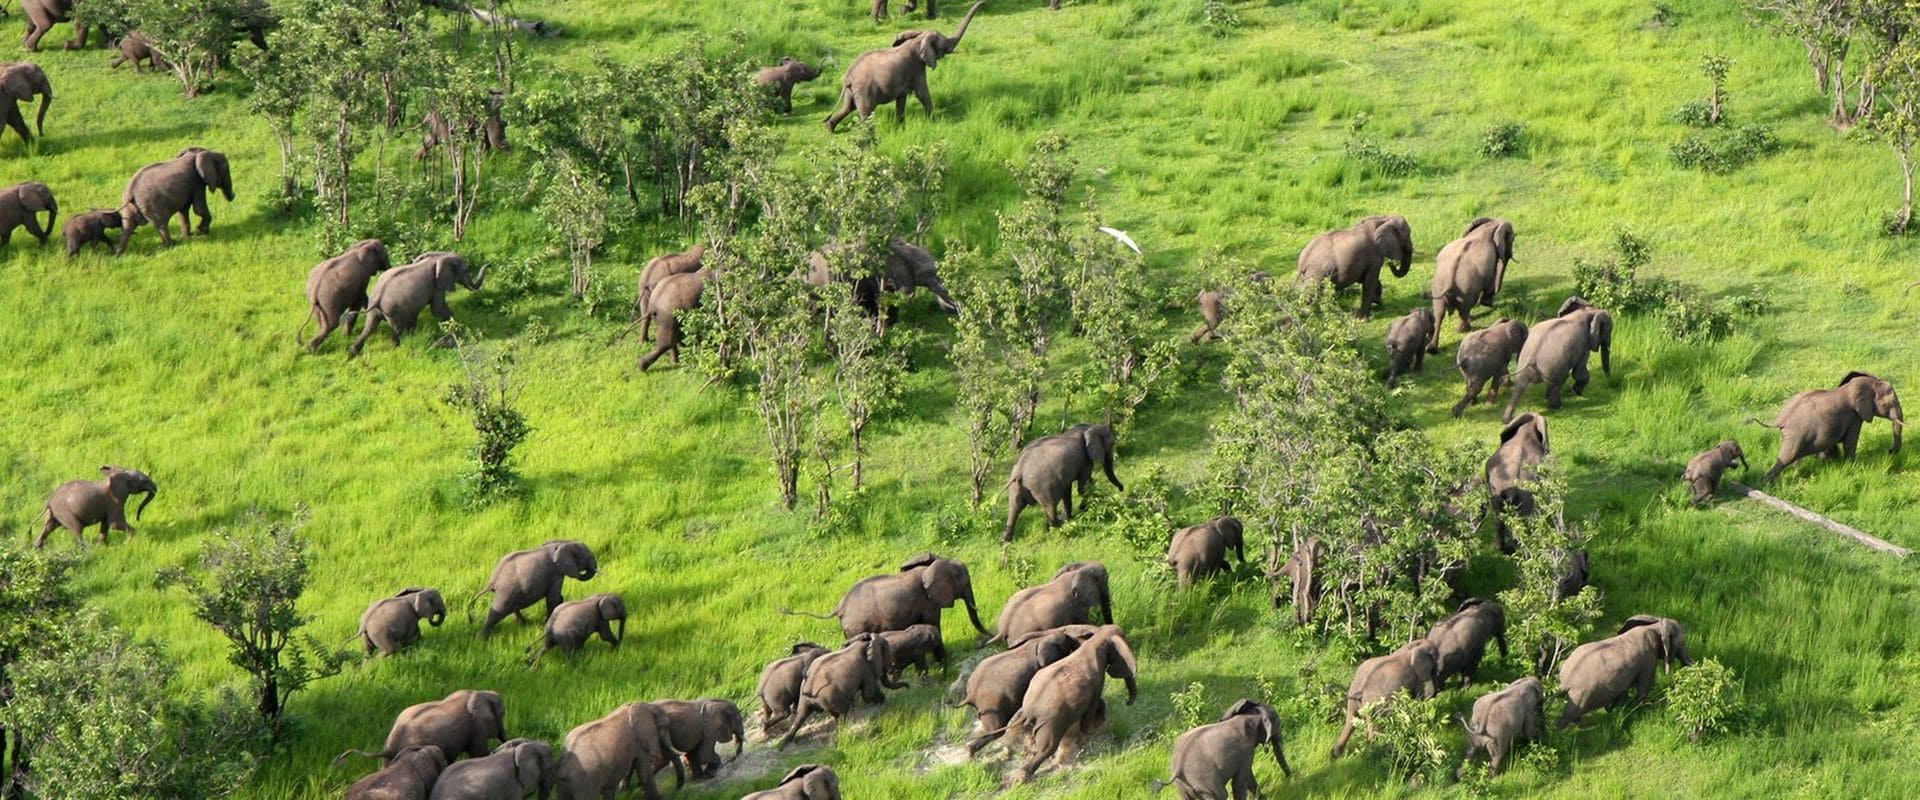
(805, 782)
(1704, 471)
(917, 646)
(392, 624)
(409, 775)
(1201, 550)
(1483, 359)
(1503, 719)
(78, 505)
(136, 47)
(89, 227)
(781, 79)
(1407, 343)
(1209, 757)
(572, 624)
(780, 684)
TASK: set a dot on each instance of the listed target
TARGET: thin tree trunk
(1906, 189)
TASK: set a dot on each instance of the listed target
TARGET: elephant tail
(313, 312)
(792, 613)
(342, 758)
(1154, 786)
(1756, 421)
(476, 598)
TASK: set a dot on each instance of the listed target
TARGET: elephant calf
(525, 577)
(1407, 343)
(999, 682)
(781, 79)
(392, 624)
(135, 47)
(78, 505)
(1201, 550)
(805, 782)
(1505, 718)
(1483, 358)
(517, 768)
(20, 206)
(409, 776)
(405, 291)
(1512, 469)
(1302, 573)
(696, 728)
(1209, 757)
(1213, 307)
(1412, 669)
(572, 624)
(1704, 471)
(1462, 638)
(918, 646)
(90, 227)
(839, 680)
(1599, 674)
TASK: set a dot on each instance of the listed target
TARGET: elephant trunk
(739, 736)
(1606, 359)
(1406, 260)
(40, 120)
(143, 504)
(961, 32)
(1280, 756)
(973, 613)
(620, 635)
(53, 213)
(1106, 463)
(479, 278)
(1106, 606)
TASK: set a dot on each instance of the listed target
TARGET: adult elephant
(1482, 360)
(880, 9)
(840, 680)
(1828, 421)
(160, 191)
(1469, 272)
(78, 505)
(405, 291)
(1355, 255)
(1064, 701)
(1069, 599)
(805, 782)
(1201, 550)
(463, 723)
(907, 268)
(20, 82)
(21, 205)
(515, 769)
(1411, 669)
(1599, 674)
(525, 577)
(1461, 639)
(886, 76)
(999, 682)
(669, 299)
(925, 585)
(1050, 467)
(337, 287)
(779, 688)
(1209, 757)
(658, 269)
(597, 756)
(42, 15)
(697, 727)
(1305, 585)
(1557, 349)
(1513, 466)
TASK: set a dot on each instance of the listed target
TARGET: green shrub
(1707, 699)
(1689, 317)
(1219, 18)
(1722, 151)
(1694, 114)
(1190, 706)
(1379, 160)
(1408, 733)
(487, 393)
(1504, 139)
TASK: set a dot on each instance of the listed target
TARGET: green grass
(182, 362)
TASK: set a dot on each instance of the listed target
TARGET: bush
(1190, 707)
(1615, 284)
(1725, 150)
(487, 393)
(1408, 734)
(1694, 114)
(1379, 160)
(1691, 318)
(1219, 18)
(1707, 699)
(1504, 140)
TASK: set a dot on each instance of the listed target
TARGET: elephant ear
(1477, 222)
(1073, 567)
(527, 769)
(1120, 661)
(1574, 303)
(1599, 329)
(1243, 707)
(802, 647)
(1503, 236)
(927, 49)
(918, 561)
(1636, 621)
(611, 607)
(1235, 530)
(939, 581)
(1470, 602)
(906, 36)
(1848, 378)
(1098, 440)
(1520, 422)
(212, 169)
(798, 773)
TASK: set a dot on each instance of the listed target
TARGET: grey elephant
(839, 680)
(1050, 467)
(697, 727)
(999, 682)
(1208, 758)
(1070, 598)
(1213, 308)
(1514, 465)
(805, 782)
(20, 82)
(337, 287)
(465, 722)
(571, 624)
(1407, 339)
(1574, 574)
(781, 78)
(917, 646)
(134, 48)
(1355, 255)
(1413, 669)
(490, 133)
(392, 624)
(1461, 639)
(671, 298)
(1599, 674)
(409, 776)
(1201, 550)
(78, 505)
(907, 268)
(42, 15)
(925, 585)
(1305, 585)
(880, 77)
(1703, 471)
(779, 688)
(525, 577)
(1827, 422)
(90, 227)
(516, 769)
(598, 756)
(660, 268)
(1483, 358)
(20, 206)
(1063, 703)
(404, 291)
(1557, 349)
(1503, 719)
(880, 9)
(178, 187)
(1470, 271)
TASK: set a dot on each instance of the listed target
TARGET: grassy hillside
(182, 362)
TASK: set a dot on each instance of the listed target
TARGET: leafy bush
(1142, 516)
(1724, 150)
(1689, 317)
(1219, 18)
(1190, 706)
(1379, 160)
(1408, 733)
(1541, 625)
(1615, 284)
(1694, 114)
(1707, 699)
(1504, 139)
(487, 392)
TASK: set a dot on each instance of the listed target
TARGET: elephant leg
(1017, 500)
(1066, 500)
(1466, 317)
(1850, 441)
(35, 30)
(1553, 396)
(327, 324)
(900, 109)
(846, 108)
(46, 528)
(79, 36)
(160, 224)
(18, 123)
(1496, 759)
(865, 105)
(1473, 393)
(1369, 295)
(926, 97)
(1571, 714)
(993, 725)
(1580, 377)
(799, 719)
(1346, 732)
(200, 208)
(374, 318)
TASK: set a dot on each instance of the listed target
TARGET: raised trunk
(961, 32)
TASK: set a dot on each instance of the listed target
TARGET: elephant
(917, 646)
(907, 268)
(1063, 702)
(524, 577)
(1599, 674)
(1213, 307)
(571, 624)
(20, 206)
(597, 756)
(1302, 573)
(90, 227)
(915, 595)
(159, 192)
(404, 291)
(78, 505)
(1050, 466)
(779, 688)
(696, 727)
(1505, 718)
(135, 47)
(519, 767)
(1406, 343)
(999, 682)
(880, 9)
(409, 776)
(805, 782)
(1514, 465)
(1355, 255)
(1704, 470)
(1573, 573)
(676, 294)
(782, 78)
(886, 76)
(837, 681)
(1461, 639)
(42, 15)
(1483, 358)
(337, 287)
(392, 624)
(1209, 757)
(1469, 272)
(1557, 348)
(660, 268)
(1412, 669)
(1201, 550)
(1828, 421)
(491, 133)
(20, 82)
(1069, 599)
(462, 723)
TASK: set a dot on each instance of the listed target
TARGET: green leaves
(1707, 700)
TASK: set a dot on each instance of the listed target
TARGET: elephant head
(613, 609)
(930, 46)
(426, 604)
(1670, 640)
(532, 765)
(1055, 644)
(1098, 442)
(945, 580)
(212, 168)
(36, 197)
(452, 268)
(1600, 337)
(1872, 398)
(815, 782)
(1117, 658)
(1394, 237)
(573, 558)
(1500, 232)
(723, 721)
(1090, 586)
(1533, 424)
(1233, 533)
(1423, 658)
(124, 483)
(487, 714)
(875, 650)
(912, 268)
(20, 82)
(1266, 728)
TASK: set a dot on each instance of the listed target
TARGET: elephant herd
(155, 195)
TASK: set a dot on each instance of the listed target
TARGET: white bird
(1122, 236)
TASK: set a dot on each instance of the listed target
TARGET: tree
(1541, 623)
(1130, 354)
(196, 38)
(247, 584)
(1036, 238)
(867, 370)
(1714, 67)
(692, 99)
(1896, 76)
(37, 607)
(461, 97)
(488, 392)
(1825, 28)
(573, 203)
(985, 365)
(280, 91)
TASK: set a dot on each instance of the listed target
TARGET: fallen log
(1843, 529)
(534, 27)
